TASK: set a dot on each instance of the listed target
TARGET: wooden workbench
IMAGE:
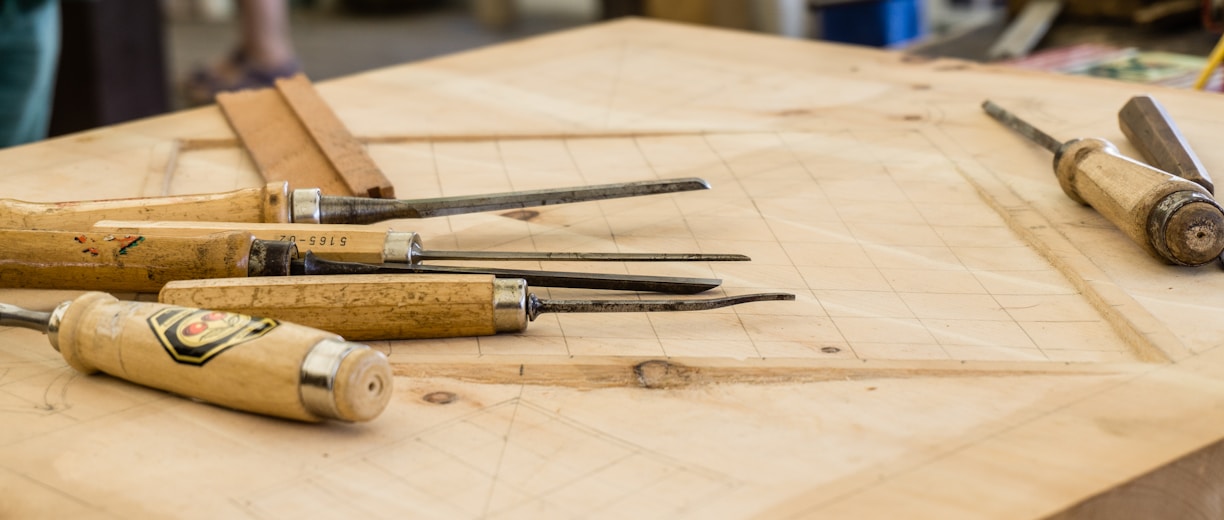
(967, 342)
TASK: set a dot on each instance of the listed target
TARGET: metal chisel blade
(310, 264)
(359, 210)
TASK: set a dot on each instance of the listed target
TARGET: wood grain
(293, 136)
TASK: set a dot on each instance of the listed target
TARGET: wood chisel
(362, 243)
(144, 263)
(275, 203)
(377, 307)
(1171, 218)
(1150, 130)
(255, 364)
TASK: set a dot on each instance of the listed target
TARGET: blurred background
(126, 59)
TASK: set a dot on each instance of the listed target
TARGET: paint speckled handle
(117, 261)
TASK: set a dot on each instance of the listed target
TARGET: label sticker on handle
(194, 336)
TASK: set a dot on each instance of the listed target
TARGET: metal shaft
(14, 316)
(536, 306)
(359, 210)
(1022, 127)
(311, 264)
(578, 256)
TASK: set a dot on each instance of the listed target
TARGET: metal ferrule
(305, 206)
(53, 323)
(1163, 212)
(402, 246)
(510, 304)
(318, 376)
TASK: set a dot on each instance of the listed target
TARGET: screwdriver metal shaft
(370, 307)
(1171, 218)
(275, 203)
(363, 243)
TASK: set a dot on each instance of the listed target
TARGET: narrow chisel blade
(360, 210)
(310, 264)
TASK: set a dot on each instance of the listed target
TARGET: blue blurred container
(881, 23)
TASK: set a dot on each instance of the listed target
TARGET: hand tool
(1150, 129)
(360, 243)
(1171, 218)
(275, 203)
(370, 307)
(248, 363)
(144, 263)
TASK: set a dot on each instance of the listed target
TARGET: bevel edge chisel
(144, 263)
(385, 307)
(368, 244)
(274, 202)
(238, 361)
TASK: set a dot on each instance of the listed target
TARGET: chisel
(360, 243)
(378, 307)
(1171, 218)
(1150, 130)
(247, 363)
(144, 263)
(275, 203)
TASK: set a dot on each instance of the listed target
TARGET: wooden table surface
(967, 341)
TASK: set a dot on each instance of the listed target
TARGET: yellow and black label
(194, 336)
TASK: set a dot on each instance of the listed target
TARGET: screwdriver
(379, 307)
(1150, 129)
(275, 203)
(144, 263)
(247, 363)
(359, 243)
(1171, 218)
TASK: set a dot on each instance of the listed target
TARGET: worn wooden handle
(117, 261)
(358, 307)
(348, 243)
(247, 363)
(264, 204)
(1172, 218)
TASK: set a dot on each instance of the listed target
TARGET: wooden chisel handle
(347, 243)
(369, 307)
(116, 261)
(248, 363)
(264, 204)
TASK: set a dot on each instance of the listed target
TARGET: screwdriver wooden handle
(1171, 218)
(369, 307)
(264, 204)
(117, 262)
(247, 363)
(347, 243)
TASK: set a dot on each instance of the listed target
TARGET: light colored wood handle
(268, 203)
(358, 307)
(348, 243)
(115, 261)
(1171, 218)
(238, 361)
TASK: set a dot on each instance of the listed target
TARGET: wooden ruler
(292, 135)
